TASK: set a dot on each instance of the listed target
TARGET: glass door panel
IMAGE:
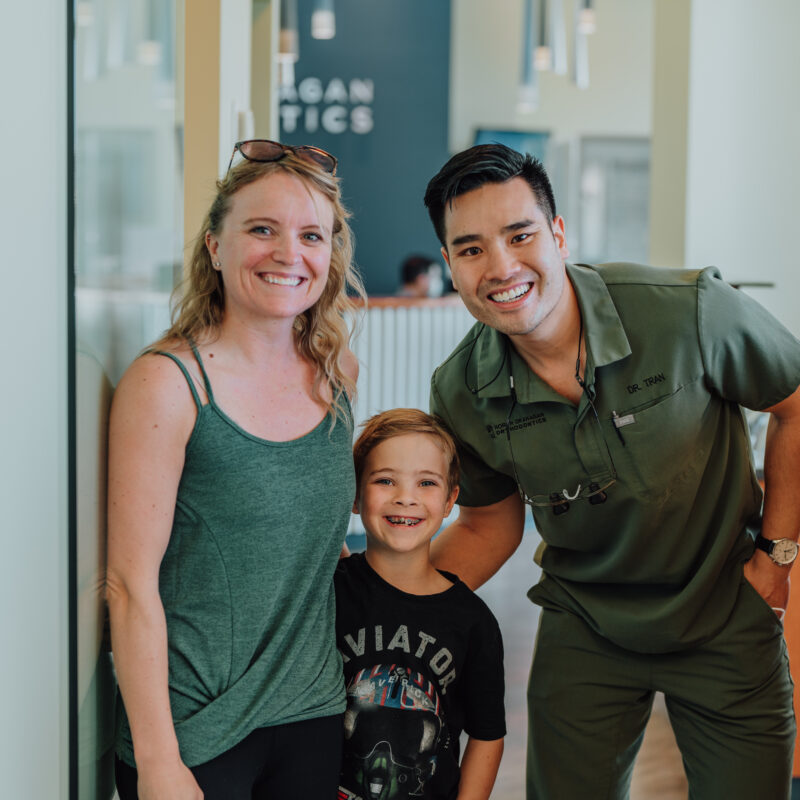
(128, 254)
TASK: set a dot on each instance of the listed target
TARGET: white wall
(743, 159)
(668, 147)
(33, 403)
(235, 35)
(485, 73)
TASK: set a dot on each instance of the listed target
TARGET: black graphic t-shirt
(419, 670)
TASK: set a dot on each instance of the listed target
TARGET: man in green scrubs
(609, 399)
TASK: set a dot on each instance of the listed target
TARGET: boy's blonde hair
(399, 422)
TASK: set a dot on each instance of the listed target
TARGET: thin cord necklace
(499, 369)
(578, 359)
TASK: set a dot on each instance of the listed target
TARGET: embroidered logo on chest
(516, 424)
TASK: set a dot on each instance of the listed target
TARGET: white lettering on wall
(312, 118)
(289, 115)
(362, 91)
(334, 119)
(336, 91)
(287, 94)
(335, 107)
(310, 90)
(361, 119)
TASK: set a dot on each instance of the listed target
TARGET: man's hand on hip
(770, 580)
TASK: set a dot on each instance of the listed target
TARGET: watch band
(781, 551)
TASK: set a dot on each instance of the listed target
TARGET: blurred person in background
(421, 276)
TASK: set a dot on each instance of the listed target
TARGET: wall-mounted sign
(376, 95)
(335, 106)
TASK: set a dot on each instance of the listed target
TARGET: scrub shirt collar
(605, 338)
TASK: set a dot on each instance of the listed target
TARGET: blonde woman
(230, 488)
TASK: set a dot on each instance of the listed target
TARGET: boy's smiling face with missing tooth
(403, 494)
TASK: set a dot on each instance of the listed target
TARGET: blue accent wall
(389, 147)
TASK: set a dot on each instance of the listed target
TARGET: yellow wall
(201, 113)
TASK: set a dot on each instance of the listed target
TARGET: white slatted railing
(399, 345)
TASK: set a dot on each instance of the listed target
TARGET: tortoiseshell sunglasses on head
(267, 150)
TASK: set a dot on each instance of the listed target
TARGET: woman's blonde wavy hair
(322, 332)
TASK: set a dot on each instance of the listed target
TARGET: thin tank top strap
(186, 375)
(206, 381)
(348, 405)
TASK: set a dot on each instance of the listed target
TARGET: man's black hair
(414, 266)
(485, 163)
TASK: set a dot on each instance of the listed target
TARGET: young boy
(423, 656)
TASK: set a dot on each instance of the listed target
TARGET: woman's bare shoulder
(175, 346)
(155, 385)
(349, 364)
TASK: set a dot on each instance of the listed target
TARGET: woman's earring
(217, 264)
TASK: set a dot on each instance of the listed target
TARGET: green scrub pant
(729, 702)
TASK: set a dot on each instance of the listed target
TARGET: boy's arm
(479, 768)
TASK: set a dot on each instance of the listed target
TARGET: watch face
(784, 551)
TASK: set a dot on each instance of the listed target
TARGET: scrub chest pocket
(667, 441)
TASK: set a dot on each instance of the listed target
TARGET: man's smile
(511, 294)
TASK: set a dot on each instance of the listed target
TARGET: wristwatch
(781, 551)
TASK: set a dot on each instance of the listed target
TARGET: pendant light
(323, 20)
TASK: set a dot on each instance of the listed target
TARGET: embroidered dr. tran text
(650, 380)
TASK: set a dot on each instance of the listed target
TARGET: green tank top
(247, 581)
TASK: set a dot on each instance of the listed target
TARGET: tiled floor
(658, 774)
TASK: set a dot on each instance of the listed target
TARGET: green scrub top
(671, 357)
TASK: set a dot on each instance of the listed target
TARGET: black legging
(297, 761)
